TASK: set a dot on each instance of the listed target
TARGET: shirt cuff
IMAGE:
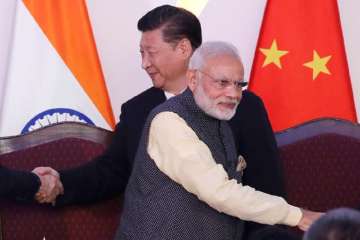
(294, 216)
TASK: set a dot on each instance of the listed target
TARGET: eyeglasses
(222, 84)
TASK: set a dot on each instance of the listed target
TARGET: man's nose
(145, 63)
(233, 92)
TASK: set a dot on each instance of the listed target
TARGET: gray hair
(209, 50)
(341, 223)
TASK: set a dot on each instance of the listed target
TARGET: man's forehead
(220, 58)
(148, 46)
(153, 36)
(153, 43)
(223, 67)
(221, 62)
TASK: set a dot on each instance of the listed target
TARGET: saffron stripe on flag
(66, 24)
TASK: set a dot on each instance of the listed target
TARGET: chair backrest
(321, 161)
(62, 145)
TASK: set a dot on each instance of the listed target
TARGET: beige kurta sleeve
(181, 155)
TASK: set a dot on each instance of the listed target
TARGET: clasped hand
(51, 185)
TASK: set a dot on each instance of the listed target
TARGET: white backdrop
(114, 26)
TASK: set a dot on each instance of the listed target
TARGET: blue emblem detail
(55, 115)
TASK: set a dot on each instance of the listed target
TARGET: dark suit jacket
(18, 185)
(108, 174)
(255, 140)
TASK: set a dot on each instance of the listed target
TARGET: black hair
(176, 23)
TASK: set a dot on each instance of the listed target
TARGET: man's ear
(184, 48)
(192, 81)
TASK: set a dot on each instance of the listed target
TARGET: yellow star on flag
(273, 54)
(318, 64)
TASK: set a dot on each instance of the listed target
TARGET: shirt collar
(169, 95)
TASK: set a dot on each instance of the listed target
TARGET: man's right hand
(51, 185)
(308, 218)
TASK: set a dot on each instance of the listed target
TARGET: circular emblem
(55, 115)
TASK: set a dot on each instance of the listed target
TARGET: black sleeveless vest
(158, 208)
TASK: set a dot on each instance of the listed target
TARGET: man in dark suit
(169, 37)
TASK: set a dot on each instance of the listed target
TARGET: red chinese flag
(300, 69)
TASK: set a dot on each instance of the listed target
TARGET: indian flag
(54, 72)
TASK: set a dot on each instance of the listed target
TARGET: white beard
(210, 106)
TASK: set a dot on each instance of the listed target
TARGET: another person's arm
(101, 178)
(24, 186)
(18, 185)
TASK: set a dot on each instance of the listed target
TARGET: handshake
(50, 187)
